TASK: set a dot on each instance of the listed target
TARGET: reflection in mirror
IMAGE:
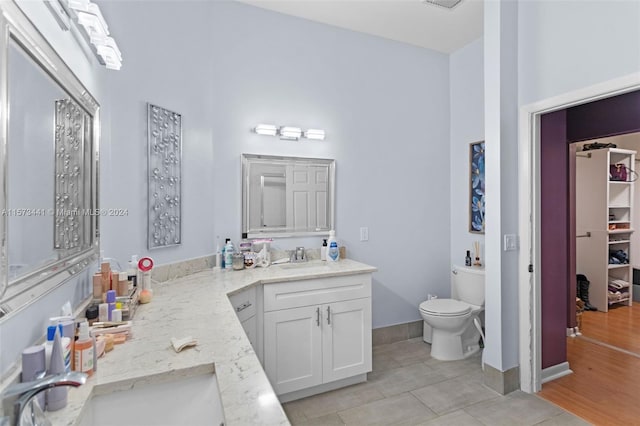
(50, 175)
(287, 196)
(30, 171)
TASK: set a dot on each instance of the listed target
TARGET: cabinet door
(292, 348)
(346, 339)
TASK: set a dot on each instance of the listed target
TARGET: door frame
(529, 197)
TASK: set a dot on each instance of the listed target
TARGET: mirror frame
(247, 159)
(16, 26)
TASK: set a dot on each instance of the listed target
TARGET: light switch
(510, 242)
(364, 234)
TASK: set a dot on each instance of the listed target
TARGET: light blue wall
(565, 45)
(466, 126)
(226, 67)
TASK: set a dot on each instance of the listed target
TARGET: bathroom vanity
(205, 306)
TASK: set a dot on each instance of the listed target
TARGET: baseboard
(396, 333)
(555, 372)
(503, 382)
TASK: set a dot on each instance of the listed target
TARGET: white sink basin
(191, 401)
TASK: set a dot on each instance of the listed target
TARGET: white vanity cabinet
(317, 334)
(246, 305)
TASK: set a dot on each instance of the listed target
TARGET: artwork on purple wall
(476, 187)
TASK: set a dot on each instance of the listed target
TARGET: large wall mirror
(287, 196)
(49, 141)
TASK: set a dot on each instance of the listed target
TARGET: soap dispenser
(323, 250)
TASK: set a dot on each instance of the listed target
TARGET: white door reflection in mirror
(287, 196)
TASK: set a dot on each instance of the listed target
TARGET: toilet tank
(468, 284)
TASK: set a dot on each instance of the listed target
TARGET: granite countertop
(197, 305)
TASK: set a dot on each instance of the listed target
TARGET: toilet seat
(445, 307)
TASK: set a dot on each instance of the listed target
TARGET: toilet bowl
(453, 333)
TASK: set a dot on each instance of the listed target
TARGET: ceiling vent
(449, 4)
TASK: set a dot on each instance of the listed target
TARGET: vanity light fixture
(289, 132)
(316, 134)
(107, 49)
(266, 129)
(95, 31)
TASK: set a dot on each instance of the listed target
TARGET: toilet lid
(445, 307)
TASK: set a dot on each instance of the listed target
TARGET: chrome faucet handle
(19, 394)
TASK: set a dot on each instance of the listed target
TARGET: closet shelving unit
(604, 210)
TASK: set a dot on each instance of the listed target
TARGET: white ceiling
(408, 21)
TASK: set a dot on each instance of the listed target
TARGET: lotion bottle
(323, 250)
(228, 255)
(333, 253)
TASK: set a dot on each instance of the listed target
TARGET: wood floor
(604, 388)
(619, 327)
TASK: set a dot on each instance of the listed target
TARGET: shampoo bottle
(83, 353)
(333, 253)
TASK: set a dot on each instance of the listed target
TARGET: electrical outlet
(364, 234)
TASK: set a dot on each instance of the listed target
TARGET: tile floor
(408, 387)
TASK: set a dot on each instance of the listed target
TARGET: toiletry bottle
(66, 347)
(333, 253)
(103, 312)
(68, 332)
(224, 249)
(56, 397)
(97, 285)
(123, 285)
(111, 302)
(132, 272)
(218, 257)
(467, 259)
(323, 250)
(91, 314)
(33, 364)
(228, 255)
(83, 353)
(48, 345)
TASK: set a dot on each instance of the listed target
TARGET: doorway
(533, 336)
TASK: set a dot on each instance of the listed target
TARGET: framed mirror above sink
(287, 196)
(49, 131)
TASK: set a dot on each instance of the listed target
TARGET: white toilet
(453, 334)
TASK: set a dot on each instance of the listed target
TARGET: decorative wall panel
(165, 167)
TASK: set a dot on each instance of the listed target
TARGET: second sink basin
(190, 401)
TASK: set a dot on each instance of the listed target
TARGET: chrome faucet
(16, 397)
(298, 255)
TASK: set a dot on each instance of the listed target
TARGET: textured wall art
(476, 185)
(165, 166)
(69, 175)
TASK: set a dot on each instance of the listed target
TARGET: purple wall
(554, 208)
(607, 117)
